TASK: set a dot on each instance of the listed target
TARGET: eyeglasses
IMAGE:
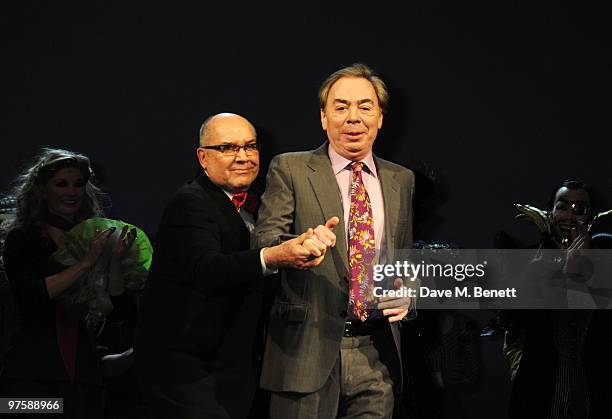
(234, 149)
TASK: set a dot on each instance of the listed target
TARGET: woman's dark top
(34, 352)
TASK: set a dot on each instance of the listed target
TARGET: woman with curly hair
(52, 355)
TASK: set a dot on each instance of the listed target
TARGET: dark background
(492, 102)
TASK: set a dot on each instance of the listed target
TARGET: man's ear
(380, 120)
(323, 120)
(201, 153)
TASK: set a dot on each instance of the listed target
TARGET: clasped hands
(305, 251)
(309, 249)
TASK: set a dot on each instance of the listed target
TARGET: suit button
(343, 313)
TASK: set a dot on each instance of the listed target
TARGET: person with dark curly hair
(52, 354)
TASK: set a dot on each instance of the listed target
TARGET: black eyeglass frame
(234, 149)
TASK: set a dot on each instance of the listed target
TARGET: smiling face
(231, 173)
(571, 213)
(64, 192)
(352, 117)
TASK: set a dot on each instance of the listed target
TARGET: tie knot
(239, 199)
(357, 166)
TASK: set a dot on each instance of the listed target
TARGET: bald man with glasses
(200, 319)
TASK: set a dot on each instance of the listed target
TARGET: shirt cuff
(264, 269)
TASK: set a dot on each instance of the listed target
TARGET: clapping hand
(97, 246)
(574, 260)
(123, 243)
(116, 285)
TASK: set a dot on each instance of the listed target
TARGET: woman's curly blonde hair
(30, 184)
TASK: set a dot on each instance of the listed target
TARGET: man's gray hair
(357, 70)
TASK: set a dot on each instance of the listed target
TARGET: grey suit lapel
(390, 191)
(325, 187)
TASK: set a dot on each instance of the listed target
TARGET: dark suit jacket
(202, 302)
(535, 382)
(307, 318)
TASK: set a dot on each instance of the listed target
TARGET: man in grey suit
(332, 349)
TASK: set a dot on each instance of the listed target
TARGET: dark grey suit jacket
(307, 317)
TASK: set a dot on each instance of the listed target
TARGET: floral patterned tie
(362, 246)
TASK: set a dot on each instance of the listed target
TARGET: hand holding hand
(395, 307)
(325, 233)
(313, 245)
(302, 252)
